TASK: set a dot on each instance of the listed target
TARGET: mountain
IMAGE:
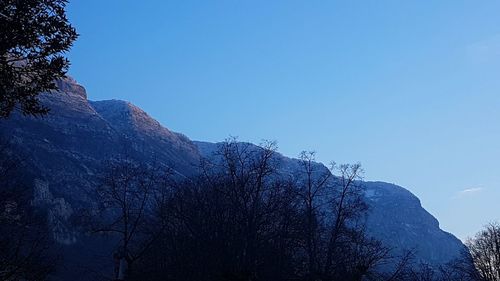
(67, 149)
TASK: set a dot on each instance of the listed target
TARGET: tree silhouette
(484, 249)
(34, 35)
(241, 218)
(127, 196)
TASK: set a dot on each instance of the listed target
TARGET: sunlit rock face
(147, 136)
(67, 149)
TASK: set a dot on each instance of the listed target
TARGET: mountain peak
(69, 86)
(127, 118)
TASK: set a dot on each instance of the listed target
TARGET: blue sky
(408, 88)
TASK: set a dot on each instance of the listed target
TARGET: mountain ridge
(69, 147)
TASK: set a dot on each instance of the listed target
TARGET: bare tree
(312, 190)
(347, 207)
(484, 250)
(237, 220)
(127, 195)
(336, 244)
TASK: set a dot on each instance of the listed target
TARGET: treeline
(239, 220)
(242, 217)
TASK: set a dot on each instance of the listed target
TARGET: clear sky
(411, 89)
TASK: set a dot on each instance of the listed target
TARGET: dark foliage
(34, 35)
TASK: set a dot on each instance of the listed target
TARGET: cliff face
(397, 218)
(68, 148)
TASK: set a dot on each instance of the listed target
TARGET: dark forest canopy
(34, 37)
